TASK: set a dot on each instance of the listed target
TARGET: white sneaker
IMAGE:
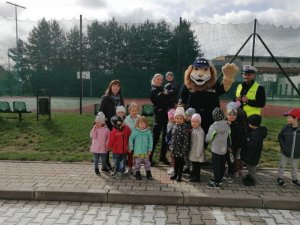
(170, 171)
(229, 180)
(118, 176)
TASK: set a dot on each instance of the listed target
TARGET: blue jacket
(140, 141)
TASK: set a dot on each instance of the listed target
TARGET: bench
(18, 107)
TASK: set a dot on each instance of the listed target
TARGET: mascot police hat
(201, 63)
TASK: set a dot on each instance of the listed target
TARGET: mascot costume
(201, 89)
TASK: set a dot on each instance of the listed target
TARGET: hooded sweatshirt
(219, 137)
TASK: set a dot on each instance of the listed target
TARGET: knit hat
(179, 111)
(169, 73)
(190, 112)
(100, 118)
(196, 116)
(120, 108)
(235, 105)
(218, 114)
(254, 120)
(231, 108)
(232, 111)
(171, 113)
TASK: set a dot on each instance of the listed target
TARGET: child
(219, 137)
(237, 136)
(179, 144)
(118, 143)
(252, 147)
(121, 111)
(171, 89)
(289, 140)
(188, 116)
(197, 154)
(141, 141)
(130, 121)
(99, 134)
(170, 125)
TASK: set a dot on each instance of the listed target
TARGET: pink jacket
(100, 139)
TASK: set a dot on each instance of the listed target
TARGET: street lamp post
(17, 38)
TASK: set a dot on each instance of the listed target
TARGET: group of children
(234, 140)
(129, 140)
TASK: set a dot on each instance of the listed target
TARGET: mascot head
(200, 76)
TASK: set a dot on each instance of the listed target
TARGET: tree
(186, 47)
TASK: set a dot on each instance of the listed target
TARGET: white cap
(120, 108)
(100, 118)
(249, 69)
(179, 111)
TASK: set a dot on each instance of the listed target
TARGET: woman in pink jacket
(99, 135)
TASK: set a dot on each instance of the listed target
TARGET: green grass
(66, 138)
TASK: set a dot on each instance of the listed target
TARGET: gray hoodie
(218, 135)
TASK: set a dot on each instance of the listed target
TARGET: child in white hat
(196, 154)
(99, 135)
(121, 111)
(179, 144)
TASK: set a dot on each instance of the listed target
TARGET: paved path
(54, 213)
(78, 182)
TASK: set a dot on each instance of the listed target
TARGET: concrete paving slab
(85, 195)
(145, 197)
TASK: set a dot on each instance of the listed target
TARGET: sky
(274, 12)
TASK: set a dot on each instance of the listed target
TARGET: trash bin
(43, 105)
(44, 108)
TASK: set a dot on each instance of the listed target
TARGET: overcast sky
(276, 12)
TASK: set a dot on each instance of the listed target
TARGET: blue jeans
(119, 160)
(97, 157)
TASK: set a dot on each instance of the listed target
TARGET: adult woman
(160, 104)
(109, 101)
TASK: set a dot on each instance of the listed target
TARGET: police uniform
(254, 92)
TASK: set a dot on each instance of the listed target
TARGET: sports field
(273, 108)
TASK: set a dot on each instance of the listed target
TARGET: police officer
(251, 95)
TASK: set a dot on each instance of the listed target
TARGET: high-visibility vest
(251, 94)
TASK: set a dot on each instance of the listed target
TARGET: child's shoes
(97, 172)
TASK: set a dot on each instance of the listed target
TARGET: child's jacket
(179, 144)
(289, 140)
(118, 140)
(219, 137)
(140, 141)
(197, 153)
(100, 139)
(252, 148)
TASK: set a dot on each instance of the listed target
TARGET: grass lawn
(66, 138)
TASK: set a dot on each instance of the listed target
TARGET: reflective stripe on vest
(251, 94)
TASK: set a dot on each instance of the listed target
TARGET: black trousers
(218, 164)
(107, 160)
(195, 170)
(179, 162)
(231, 166)
(157, 129)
